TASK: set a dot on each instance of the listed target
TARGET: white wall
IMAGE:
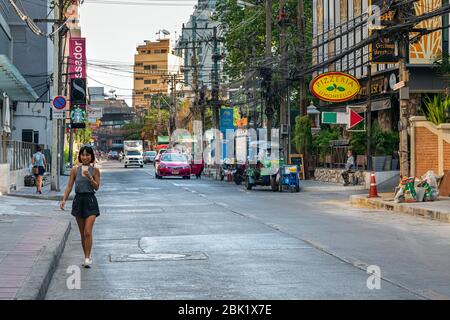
(34, 116)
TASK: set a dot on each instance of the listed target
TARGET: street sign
(354, 119)
(59, 102)
(334, 117)
(59, 115)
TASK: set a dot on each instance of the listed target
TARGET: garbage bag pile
(411, 189)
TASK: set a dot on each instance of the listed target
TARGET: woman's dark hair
(89, 150)
(38, 149)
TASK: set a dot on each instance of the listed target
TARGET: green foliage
(321, 141)
(303, 135)
(435, 108)
(384, 143)
(83, 136)
(358, 142)
(245, 34)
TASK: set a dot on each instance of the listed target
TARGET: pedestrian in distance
(39, 163)
(85, 208)
(349, 167)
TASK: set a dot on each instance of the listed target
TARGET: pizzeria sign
(335, 87)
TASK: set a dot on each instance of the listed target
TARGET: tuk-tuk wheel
(273, 184)
(248, 185)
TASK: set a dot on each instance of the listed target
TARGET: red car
(173, 164)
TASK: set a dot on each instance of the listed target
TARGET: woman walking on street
(39, 164)
(84, 207)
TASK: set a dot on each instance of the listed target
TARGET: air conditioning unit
(285, 129)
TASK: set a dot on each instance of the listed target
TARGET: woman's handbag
(36, 170)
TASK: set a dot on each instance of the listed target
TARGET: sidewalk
(47, 194)
(31, 244)
(435, 210)
(319, 186)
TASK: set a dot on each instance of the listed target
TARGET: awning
(163, 139)
(13, 83)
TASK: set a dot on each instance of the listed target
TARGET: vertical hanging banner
(383, 50)
(77, 58)
(78, 113)
(77, 70)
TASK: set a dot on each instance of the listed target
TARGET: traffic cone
(373, 193)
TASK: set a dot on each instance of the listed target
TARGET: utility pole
(301, 33)
(369, 116)
(56, 123)
(215, 83)
(268, 70)
(404, 103)
(283, 115)
(196, 108)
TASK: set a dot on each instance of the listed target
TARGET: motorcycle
(226, 169)
(239, 174)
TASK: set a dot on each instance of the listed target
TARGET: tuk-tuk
(266, 170)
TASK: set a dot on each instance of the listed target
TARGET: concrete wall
(34, 116)
(4, 178)
(430, 147)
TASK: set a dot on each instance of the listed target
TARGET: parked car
(173, 164)
(113, 155)
(158, 156)
(149, 156)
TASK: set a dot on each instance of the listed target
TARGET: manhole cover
(158, 257)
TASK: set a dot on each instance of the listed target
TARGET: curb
(38, 282)
(332, 189)
(363, 201)
(39, 197)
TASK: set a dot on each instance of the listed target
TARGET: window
(138, 79)
(139, 64)
(154, 67)
(147, 81)
(154, 81)
(163, 51)
(147, 96)
(157, 51)
(147, 67)
(27, 135)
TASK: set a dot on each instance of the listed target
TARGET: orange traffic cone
(373, 193)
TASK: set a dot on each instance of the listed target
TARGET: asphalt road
(205, 239)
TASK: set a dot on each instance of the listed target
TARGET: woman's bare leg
(81, 226)
(89, 225)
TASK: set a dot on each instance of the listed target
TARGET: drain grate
(158, 257)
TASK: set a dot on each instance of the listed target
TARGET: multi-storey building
(154, 61)
(198, 32)
(116, 113)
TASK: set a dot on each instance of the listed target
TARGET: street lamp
(314, 116)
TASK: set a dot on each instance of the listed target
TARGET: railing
(18, 154)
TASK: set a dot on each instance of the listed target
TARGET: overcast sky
(112, 33)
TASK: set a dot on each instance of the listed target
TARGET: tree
(83, 136)
(303, 135)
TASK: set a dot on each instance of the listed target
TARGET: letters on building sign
(335, 87)
(383, 50)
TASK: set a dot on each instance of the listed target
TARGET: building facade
(110, 134)
(199, 31)
(154, 61)
(339, 25)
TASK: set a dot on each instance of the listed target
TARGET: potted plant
(321, 142)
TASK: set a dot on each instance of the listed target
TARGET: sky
(112, 33)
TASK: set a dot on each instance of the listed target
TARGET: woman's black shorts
(85, 205)
(41, 171)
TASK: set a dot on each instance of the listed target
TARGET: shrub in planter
(321, 141)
